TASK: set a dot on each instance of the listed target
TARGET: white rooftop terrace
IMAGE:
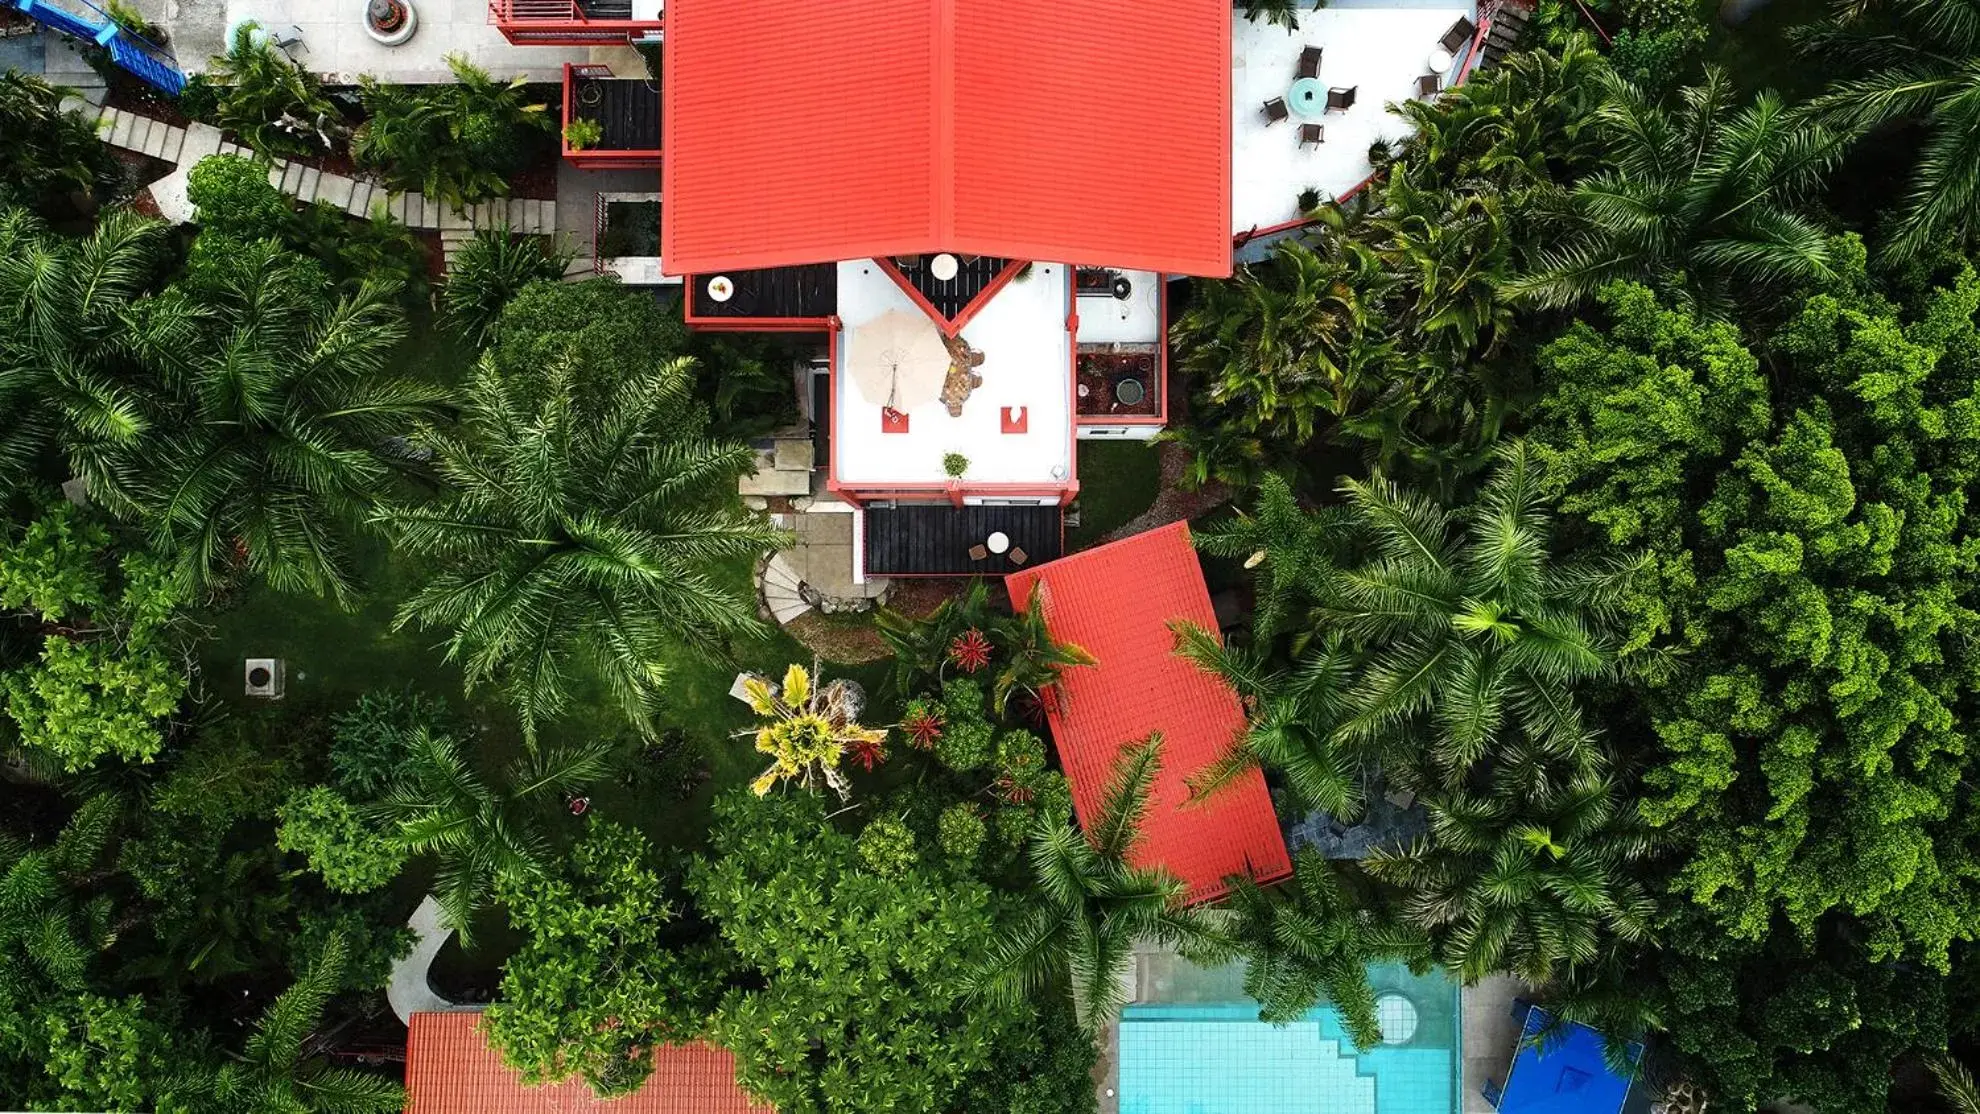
(1378, 47)
(1135, 319)
(1027, 362)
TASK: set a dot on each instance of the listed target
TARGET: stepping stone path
(360, 197)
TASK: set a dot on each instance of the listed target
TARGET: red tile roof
(451, 1070)
(810, 131)
(1116, 601)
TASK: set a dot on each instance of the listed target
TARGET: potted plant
(582, 134)
(955, 464)
(1309, 199)
(1380, 154)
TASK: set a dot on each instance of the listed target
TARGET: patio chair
(1313, 134)
(1459, 36)
(1341, 99)
(1276, 110)
(1018, 556)
(1309, 62)
(979, 553)
(1429, 85)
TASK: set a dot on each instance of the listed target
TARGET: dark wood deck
(949, 298)
(935, 538)
(777, 292)
(626, 109)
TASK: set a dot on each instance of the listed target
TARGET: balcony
(576, 22)
(775, 299)
(625, 111)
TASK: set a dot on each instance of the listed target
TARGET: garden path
(410, 991)
(184, 147)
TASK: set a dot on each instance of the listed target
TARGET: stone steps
(358, 196)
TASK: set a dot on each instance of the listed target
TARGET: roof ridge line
(943, 165)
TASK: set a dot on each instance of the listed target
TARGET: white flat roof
(1135, 319)
(1027, 362)
(1379, 50)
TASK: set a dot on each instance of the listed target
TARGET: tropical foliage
(459, 142)
(47, 154)
(275, 105)
(588, 523)
(811, 728)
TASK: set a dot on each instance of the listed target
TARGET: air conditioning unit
(266, 678)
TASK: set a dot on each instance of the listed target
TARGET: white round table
(1440, 61)
(998, 542)
(721, 289)
(944, 266)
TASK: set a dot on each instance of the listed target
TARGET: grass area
(1117, 480)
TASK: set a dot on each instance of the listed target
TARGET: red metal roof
(808, 131)
(451, 1070)
(1116, 601)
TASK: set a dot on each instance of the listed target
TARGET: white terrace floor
(1380, 50)
(1027, 362)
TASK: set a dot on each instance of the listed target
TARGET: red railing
(563, 23)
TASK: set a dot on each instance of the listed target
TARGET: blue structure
(82, 19)
(1563, 1073)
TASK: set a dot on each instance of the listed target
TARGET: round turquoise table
(1307, 97)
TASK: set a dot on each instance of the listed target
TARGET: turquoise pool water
(1198, 1057)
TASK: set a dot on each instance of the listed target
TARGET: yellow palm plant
(810, 727)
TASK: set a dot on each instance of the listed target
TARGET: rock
(756, 502)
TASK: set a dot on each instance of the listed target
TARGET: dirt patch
(1173, 504)
(841, 639)
(917, 596)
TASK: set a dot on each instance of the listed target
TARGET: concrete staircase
(359, 196)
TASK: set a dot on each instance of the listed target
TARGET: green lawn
(1117, 480)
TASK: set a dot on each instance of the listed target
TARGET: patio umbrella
(898, 360)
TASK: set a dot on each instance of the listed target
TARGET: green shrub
(459, 142)
(960, 832)
(368, 750)
(488, 274)
(968, 740)
(231, 195)
(273, 105)
(47, 154)
(352, 854)
(887, 847)
(582, 134)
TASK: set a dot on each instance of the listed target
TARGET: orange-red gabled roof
(810, 131)
(451, 1070)
(1116, 601)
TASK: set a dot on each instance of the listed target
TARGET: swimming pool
(1192, 1056)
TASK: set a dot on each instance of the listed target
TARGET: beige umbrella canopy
(898, 359)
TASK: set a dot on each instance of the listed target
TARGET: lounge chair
(1459, 36)
(1429, 85)
(1309, 62)
(1313, 134)
(1276, 110)
(1341, 99)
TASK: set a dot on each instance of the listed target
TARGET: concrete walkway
(1490, 1035)
(360, 197)
(410, 991)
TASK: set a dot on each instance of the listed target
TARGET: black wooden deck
(949, 298)
(808, 291)
(936, 538)
(626, 109)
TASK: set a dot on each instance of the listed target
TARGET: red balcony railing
(571, 22)
(624, 111)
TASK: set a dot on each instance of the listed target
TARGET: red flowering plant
(970, 651)
(922, 723)
(868, 752)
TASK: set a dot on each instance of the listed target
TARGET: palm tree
(1092, 907)
(1291, 550)
(46, 153)
(1286, 343)
(1292, 720)
(480, 835)
(1304, 941)
(1956, 1084)
(1920, 61)
(1032, 661)
(1514, 129)
(275, 105)
(48, 937)
(67, 378)
(279, 1070)
(284, 411)
(1699, 200)
(1472, 628)
(582, 526)
(1532, 876)
(810, 728)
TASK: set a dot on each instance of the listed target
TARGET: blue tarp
(1564, 1074)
